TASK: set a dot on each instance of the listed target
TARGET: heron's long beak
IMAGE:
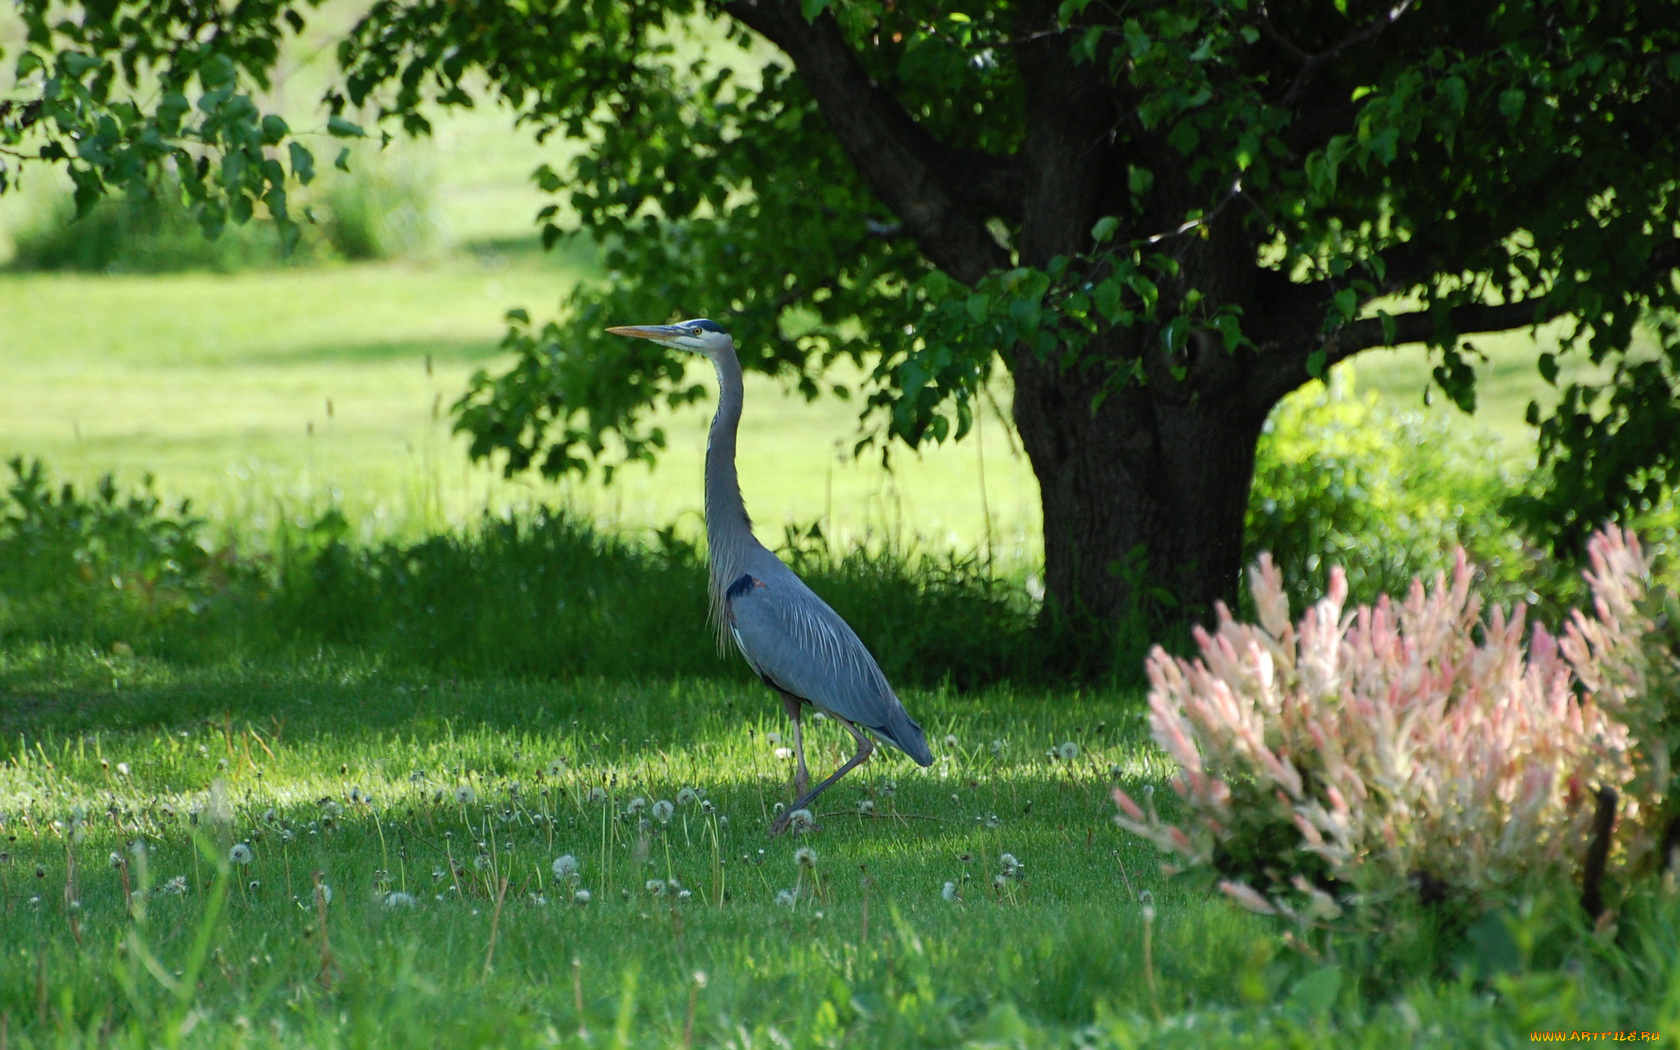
(659, 333)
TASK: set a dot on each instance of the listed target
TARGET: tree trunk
(1144, 501)
(1144, 485)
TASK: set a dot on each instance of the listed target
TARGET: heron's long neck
(728, 530)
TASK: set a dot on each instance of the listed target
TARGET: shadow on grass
(442, 351)
(573, 255)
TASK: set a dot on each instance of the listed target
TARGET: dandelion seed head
(663, 810)
(1068, 751)
(687, 796)
(950, 740)
(784, 753)
(557, 767)
(772, 738)
(122, 769)
(117, 860)
(565, 866)
(1009, 865)
(801, 820)
(866, 806)
(784, 898)
(949, 892)
(465, 795)
(597, 794)
(581, 897)
(240, 854)
(636, 805)
(656, 887)
(683, 895)
(997, 747)
(399, 899)
(805, 857)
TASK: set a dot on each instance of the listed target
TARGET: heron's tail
(905, 732)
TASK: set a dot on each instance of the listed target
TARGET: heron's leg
(802, 776)
(864, 749)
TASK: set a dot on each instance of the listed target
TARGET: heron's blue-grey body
(790, 637)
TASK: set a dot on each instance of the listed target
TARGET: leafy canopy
(1399, 173)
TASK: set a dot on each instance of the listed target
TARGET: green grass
(260, 394)
(360, 764)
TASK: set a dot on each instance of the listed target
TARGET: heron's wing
(801, 646)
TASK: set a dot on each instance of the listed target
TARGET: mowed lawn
(263, 393)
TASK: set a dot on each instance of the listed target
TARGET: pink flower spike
(1130, 808)
(1248, 897)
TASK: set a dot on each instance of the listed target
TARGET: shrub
(1340, 479)
(1408, 750)
(151, 235)
(545, 594)
(95, 565)
(380, 209)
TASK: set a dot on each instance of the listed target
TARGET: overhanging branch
(1288, 331)
(1285, 365)
(943, 196)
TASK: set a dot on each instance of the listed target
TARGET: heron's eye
(695, 331)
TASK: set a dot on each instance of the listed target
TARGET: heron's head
(698, 335)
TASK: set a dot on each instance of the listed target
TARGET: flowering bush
(1407, 748)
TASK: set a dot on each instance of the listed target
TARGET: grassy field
(434, 811)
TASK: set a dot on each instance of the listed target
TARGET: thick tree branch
(943, 196)
(1288, 331)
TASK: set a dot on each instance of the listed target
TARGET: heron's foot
(800, 820)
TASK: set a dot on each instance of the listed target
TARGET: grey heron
(790, 638)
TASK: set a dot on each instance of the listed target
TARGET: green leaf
(1177, 333)
(342, 161)
(1106, 296)
(77, 64)
(273, 129)
(1511, 103)
(303, 162)
(1347, 301)
(812, 8)
(1316, 993)
(339, 128)
(1104, 229)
